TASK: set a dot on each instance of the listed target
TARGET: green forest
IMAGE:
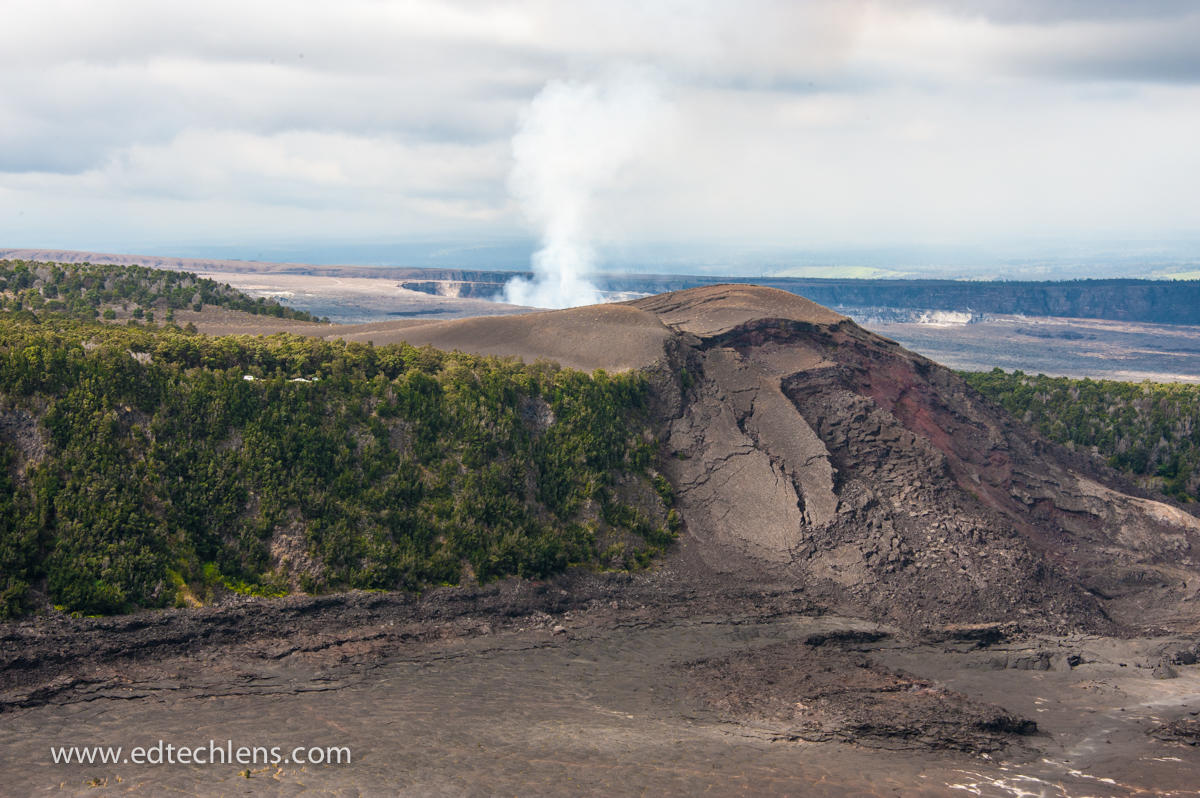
(1149, 430)
(146, 466)
(91, 291)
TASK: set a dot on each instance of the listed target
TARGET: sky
(847, 137)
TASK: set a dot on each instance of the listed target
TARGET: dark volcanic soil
(525, 691)
(817, 690)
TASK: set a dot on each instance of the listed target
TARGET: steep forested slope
(1150, 430)
(146, 467)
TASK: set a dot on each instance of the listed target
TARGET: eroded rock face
(881, 482)
(19, 428)
(742, 437)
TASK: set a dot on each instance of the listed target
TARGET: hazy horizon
(711, 260)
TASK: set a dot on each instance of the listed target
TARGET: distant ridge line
(1115, 299)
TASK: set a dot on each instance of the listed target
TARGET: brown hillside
(611, 337)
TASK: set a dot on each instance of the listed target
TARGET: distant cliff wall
(1162, 301)
(1168, 302)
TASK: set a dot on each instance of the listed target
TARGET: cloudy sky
(842, 133)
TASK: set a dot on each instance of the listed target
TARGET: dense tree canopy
(90, 291)
(1150, 430)
(144, 467)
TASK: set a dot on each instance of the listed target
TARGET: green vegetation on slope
(86, 291)
(1150, 430)
(140, 467)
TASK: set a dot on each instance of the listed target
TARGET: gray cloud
(820, 124)
(1040, 11)
(1148, 48)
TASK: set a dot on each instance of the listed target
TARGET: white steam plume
(574, 144)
